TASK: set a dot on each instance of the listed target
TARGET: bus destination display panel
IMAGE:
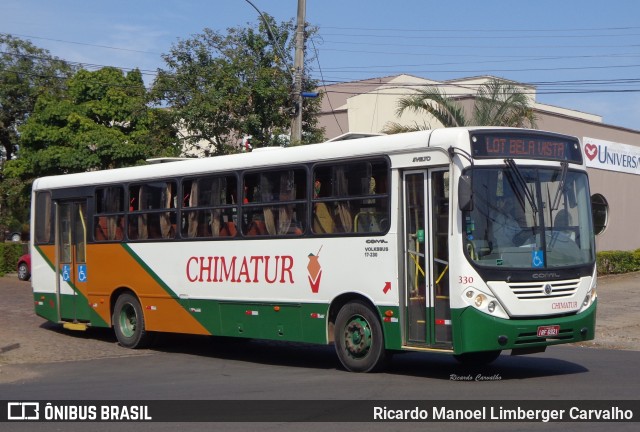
(525, 147)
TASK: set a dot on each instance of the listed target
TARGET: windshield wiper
(523, 189)
(563, 179)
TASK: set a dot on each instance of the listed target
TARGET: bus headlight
(589, 299)
(483, 301)
(492, 306)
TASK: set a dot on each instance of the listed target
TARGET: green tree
(496, 103)
(221, 87)
(101, 121)
(26, 73)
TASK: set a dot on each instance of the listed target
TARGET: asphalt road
(192, 369)
(90, 366)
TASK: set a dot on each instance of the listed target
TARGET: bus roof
(327, 151)
(254, 160)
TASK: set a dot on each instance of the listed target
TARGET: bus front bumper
(476, 331)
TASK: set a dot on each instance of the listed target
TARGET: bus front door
(426, 258)
(71, 265)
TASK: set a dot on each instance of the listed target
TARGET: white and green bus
(466, 241)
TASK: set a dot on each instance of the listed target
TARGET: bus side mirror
(599, 213)
(465, 193)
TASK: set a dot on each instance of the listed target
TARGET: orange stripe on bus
(110, 267)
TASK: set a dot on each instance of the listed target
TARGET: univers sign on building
(611, 156)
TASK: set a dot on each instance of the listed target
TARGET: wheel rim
(357, 337)
(128, 320)
(22, 271)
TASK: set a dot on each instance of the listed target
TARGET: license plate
(546, 331)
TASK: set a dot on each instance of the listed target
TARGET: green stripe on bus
(299, 322)
(149, 271)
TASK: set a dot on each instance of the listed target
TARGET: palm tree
(497, 103)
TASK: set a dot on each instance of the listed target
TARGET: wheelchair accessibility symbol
(82, 273)
(537, 259)
(66, 272)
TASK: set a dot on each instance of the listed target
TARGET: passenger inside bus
(323, 222)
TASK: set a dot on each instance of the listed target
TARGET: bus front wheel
(128, 322)
(359, 340)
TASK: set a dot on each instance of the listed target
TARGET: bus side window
(351, 198)
(275, 203)
(152, 210)
(208, 207)
(43, 218)
(109, 219)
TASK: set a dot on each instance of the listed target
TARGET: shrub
(9, 255)
(616, 262)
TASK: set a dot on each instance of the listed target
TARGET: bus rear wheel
(128, 322)
(359, 340)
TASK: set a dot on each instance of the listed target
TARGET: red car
(24, 267)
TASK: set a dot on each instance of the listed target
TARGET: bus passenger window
(351, 198)
(109, 220)
(43, 218)
(275, 203)
(152, 210)
(209, 207)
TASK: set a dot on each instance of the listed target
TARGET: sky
(580, 54)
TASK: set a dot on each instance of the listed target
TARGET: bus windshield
(529, 217)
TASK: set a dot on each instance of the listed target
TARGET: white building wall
(370, 112)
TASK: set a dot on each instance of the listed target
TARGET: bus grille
(538, 290)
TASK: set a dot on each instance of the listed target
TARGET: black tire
(128, 322)
(23, 272)
(478, 358)
(359, 340)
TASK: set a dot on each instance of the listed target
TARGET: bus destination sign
(525, 147)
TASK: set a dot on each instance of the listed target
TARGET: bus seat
(120, 229)
(228, 230)
(101, 228)
(203, 230)
(367, 221)
(257, 228)
(323, 222)
(153, 231)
